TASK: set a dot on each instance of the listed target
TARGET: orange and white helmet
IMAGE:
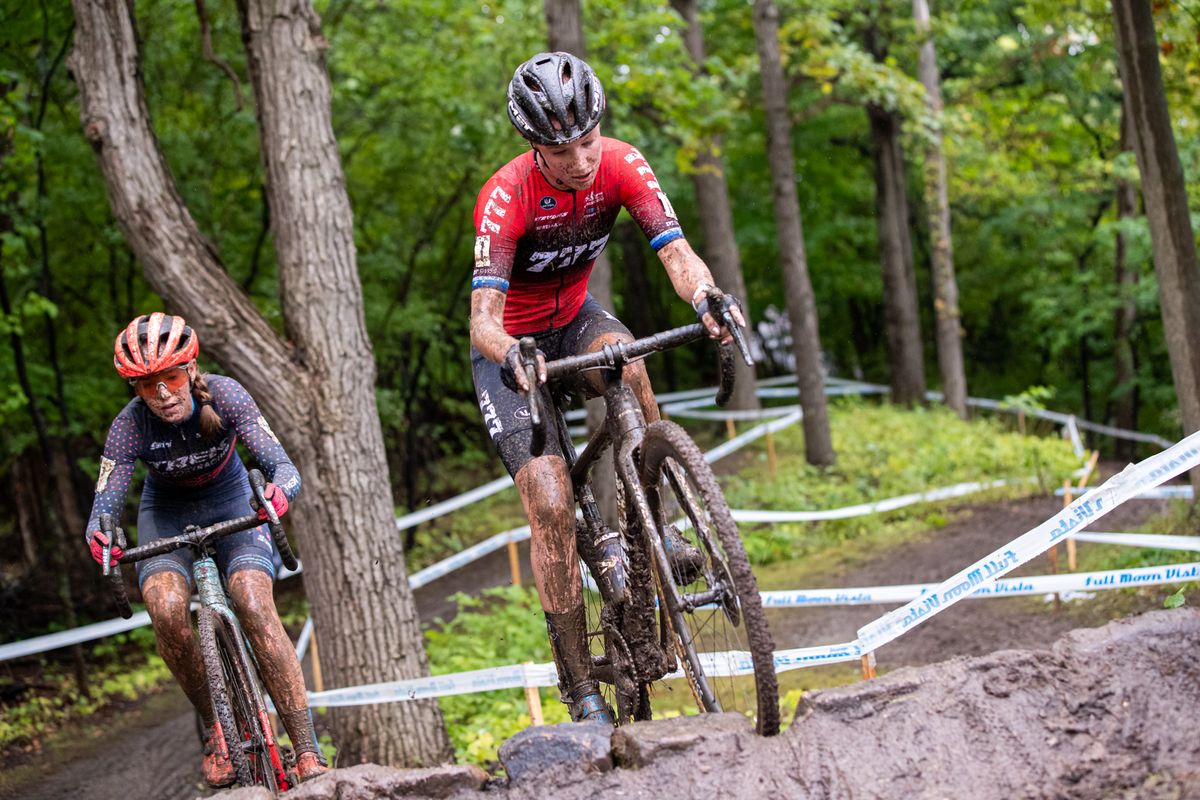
(154, 342)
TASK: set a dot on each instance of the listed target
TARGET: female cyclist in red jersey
(540, 223)
(184, 425)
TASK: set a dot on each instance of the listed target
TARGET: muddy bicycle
(229, 663)
(648, 613)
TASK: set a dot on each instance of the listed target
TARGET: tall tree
(937, 205)
(564, 25)
(903, 322)
(716, 215)
(802, 309)
(1164, 193)
(317, 384)
(1125, 391)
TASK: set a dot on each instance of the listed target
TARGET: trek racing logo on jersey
(493, 206)
(569, 256)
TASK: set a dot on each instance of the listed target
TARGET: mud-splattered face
(168, 393)
(572, 166)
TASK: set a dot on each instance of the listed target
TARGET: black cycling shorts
(505, 412)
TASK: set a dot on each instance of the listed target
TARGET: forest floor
(150, 748)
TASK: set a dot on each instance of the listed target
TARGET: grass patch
(884, 451)
(121, 667)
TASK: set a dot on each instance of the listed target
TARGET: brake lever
(739, 337)
(259, 484)
(528, 350)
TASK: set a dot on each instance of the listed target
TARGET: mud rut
(159, 756)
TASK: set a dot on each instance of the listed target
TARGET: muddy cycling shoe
(605, 555)
(218, 769)
(310, 765)
(590, 707)
(686, 560)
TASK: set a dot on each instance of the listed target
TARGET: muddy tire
(715, 607)
(238, 702)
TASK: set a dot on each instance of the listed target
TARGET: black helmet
(554, 87)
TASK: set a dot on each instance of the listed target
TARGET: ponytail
(210, 420)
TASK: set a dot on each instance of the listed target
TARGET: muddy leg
(545, 488)
(254, 602)
(168, 601)
(634, 375)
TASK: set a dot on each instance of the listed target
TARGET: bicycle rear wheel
(714, 609)
(239, 705)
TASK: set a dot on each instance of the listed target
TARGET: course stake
(514, 563)
(318, 683)
(772, 462)
(533, 698)
(730, 429)
(868, 666)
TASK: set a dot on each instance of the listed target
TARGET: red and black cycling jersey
(538, 243)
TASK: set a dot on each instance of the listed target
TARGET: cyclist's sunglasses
(174, 379)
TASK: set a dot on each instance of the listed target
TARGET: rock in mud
(373, 782)
(639, 745)
(569, 747)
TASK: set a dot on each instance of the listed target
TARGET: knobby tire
(238, 702)
(666, 448)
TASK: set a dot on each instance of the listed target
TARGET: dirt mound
(1105, 712)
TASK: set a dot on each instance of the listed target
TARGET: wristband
(704, 288)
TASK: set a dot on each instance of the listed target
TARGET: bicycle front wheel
(239, 705)
(711, 596)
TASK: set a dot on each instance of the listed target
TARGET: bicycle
(645, 623)
(229, 663)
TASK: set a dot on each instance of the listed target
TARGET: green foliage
(121, 667)
(885, 451)
(1174, 600)
(503, 626)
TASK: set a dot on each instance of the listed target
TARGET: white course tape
(304, 639)
(85, 633)
(879, 506)
(1132, 481)
(454, 503)
(743, 439)
(464, 557)
(1155, 540)
(1007, 587)
(1153, 493)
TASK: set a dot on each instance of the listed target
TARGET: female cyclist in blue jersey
(184, 426)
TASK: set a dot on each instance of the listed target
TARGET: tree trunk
(318, 386)
(564, 22)
(1165, 195)
(716, 215)
(30, 520)
(1125, 391)
(564, 25)
(802, 310)
(937, 205)
(895, 251)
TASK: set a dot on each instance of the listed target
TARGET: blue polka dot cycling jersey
(181, 459)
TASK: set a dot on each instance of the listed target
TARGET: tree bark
(937, 205)
(317, 385)
(1165, 195)
(716, 215)
(902, 319)
(564, 22)
(802, 309)
(1125, 391)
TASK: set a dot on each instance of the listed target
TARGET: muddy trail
(153, 751)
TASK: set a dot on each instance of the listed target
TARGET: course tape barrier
(1007, 587)
(84, 633)
(1157, 541)
(877, 507)
(1130, 482)
(1174, 492)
